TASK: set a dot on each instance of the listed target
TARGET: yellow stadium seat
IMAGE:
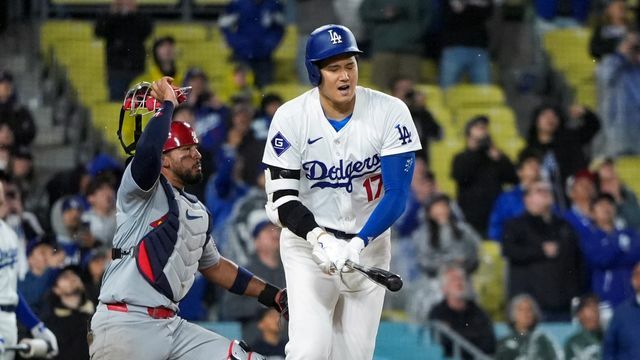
(435, 96)
(444, 119)
(84, 62)
(211, 2)
(285, 56)
(441, 158)
(464, 95)
(489, 280)
(429, 71)
(81, 2)
(501, 118)
(288, 91)
(567, 41)
(586, 94)
(53, 31)
(628, 168)
(181, 31)
(107, 2)
(364, 72)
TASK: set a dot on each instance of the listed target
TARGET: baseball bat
(18, 347)
(387, 279)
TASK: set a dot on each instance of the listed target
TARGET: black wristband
(267, 296)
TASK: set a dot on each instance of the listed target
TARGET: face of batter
(182, 166)
(339, 80)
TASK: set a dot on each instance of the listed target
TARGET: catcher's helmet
(138, 102)
(180, 134)
(325, 42)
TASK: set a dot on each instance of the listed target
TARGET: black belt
(8, 308)
(340, 234)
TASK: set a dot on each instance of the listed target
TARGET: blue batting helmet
(325, 42)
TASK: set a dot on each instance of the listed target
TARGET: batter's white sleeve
(284, 142)
(400, 134)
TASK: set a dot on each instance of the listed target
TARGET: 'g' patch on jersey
(279, 143)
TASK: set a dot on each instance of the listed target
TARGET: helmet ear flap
(313, 71)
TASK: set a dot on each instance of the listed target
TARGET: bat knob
(394, 283)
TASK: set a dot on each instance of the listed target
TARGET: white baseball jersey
(8, 265)
(340, 171)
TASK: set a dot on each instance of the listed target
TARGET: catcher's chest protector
(167, 256)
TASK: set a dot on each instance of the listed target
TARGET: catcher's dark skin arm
(224, 274)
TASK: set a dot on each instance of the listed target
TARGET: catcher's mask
(138, 102)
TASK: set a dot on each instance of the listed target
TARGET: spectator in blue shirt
(510, 203)
(44, 264)
(621, 341)
(254, 29)
(611, 252)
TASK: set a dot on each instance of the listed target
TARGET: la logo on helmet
(335, 37)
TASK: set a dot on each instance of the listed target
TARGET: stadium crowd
(568, 227)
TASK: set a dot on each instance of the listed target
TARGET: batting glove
(326, 249)
(41, 332)
(1, 345)
(352, 252)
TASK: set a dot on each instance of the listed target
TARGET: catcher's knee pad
(239, 350)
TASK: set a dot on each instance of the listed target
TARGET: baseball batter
(12, 305)
(340, 160)
(163, 237)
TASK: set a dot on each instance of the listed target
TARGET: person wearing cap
(67, 313)
(44, 261)
(272, 339)
(480, 172)
(581, 190)
(586, 343)
(162, 239)
(621, 339)
(264, 259)
(268, 105)
(253, 30)
(610, 252)
(93, 265)
(13, 306)
(543, 254)
(18, 117)
(608, 181)
(74, 237)
(197, 79)
(511, 202)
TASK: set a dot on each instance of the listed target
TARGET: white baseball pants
(331, 316)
